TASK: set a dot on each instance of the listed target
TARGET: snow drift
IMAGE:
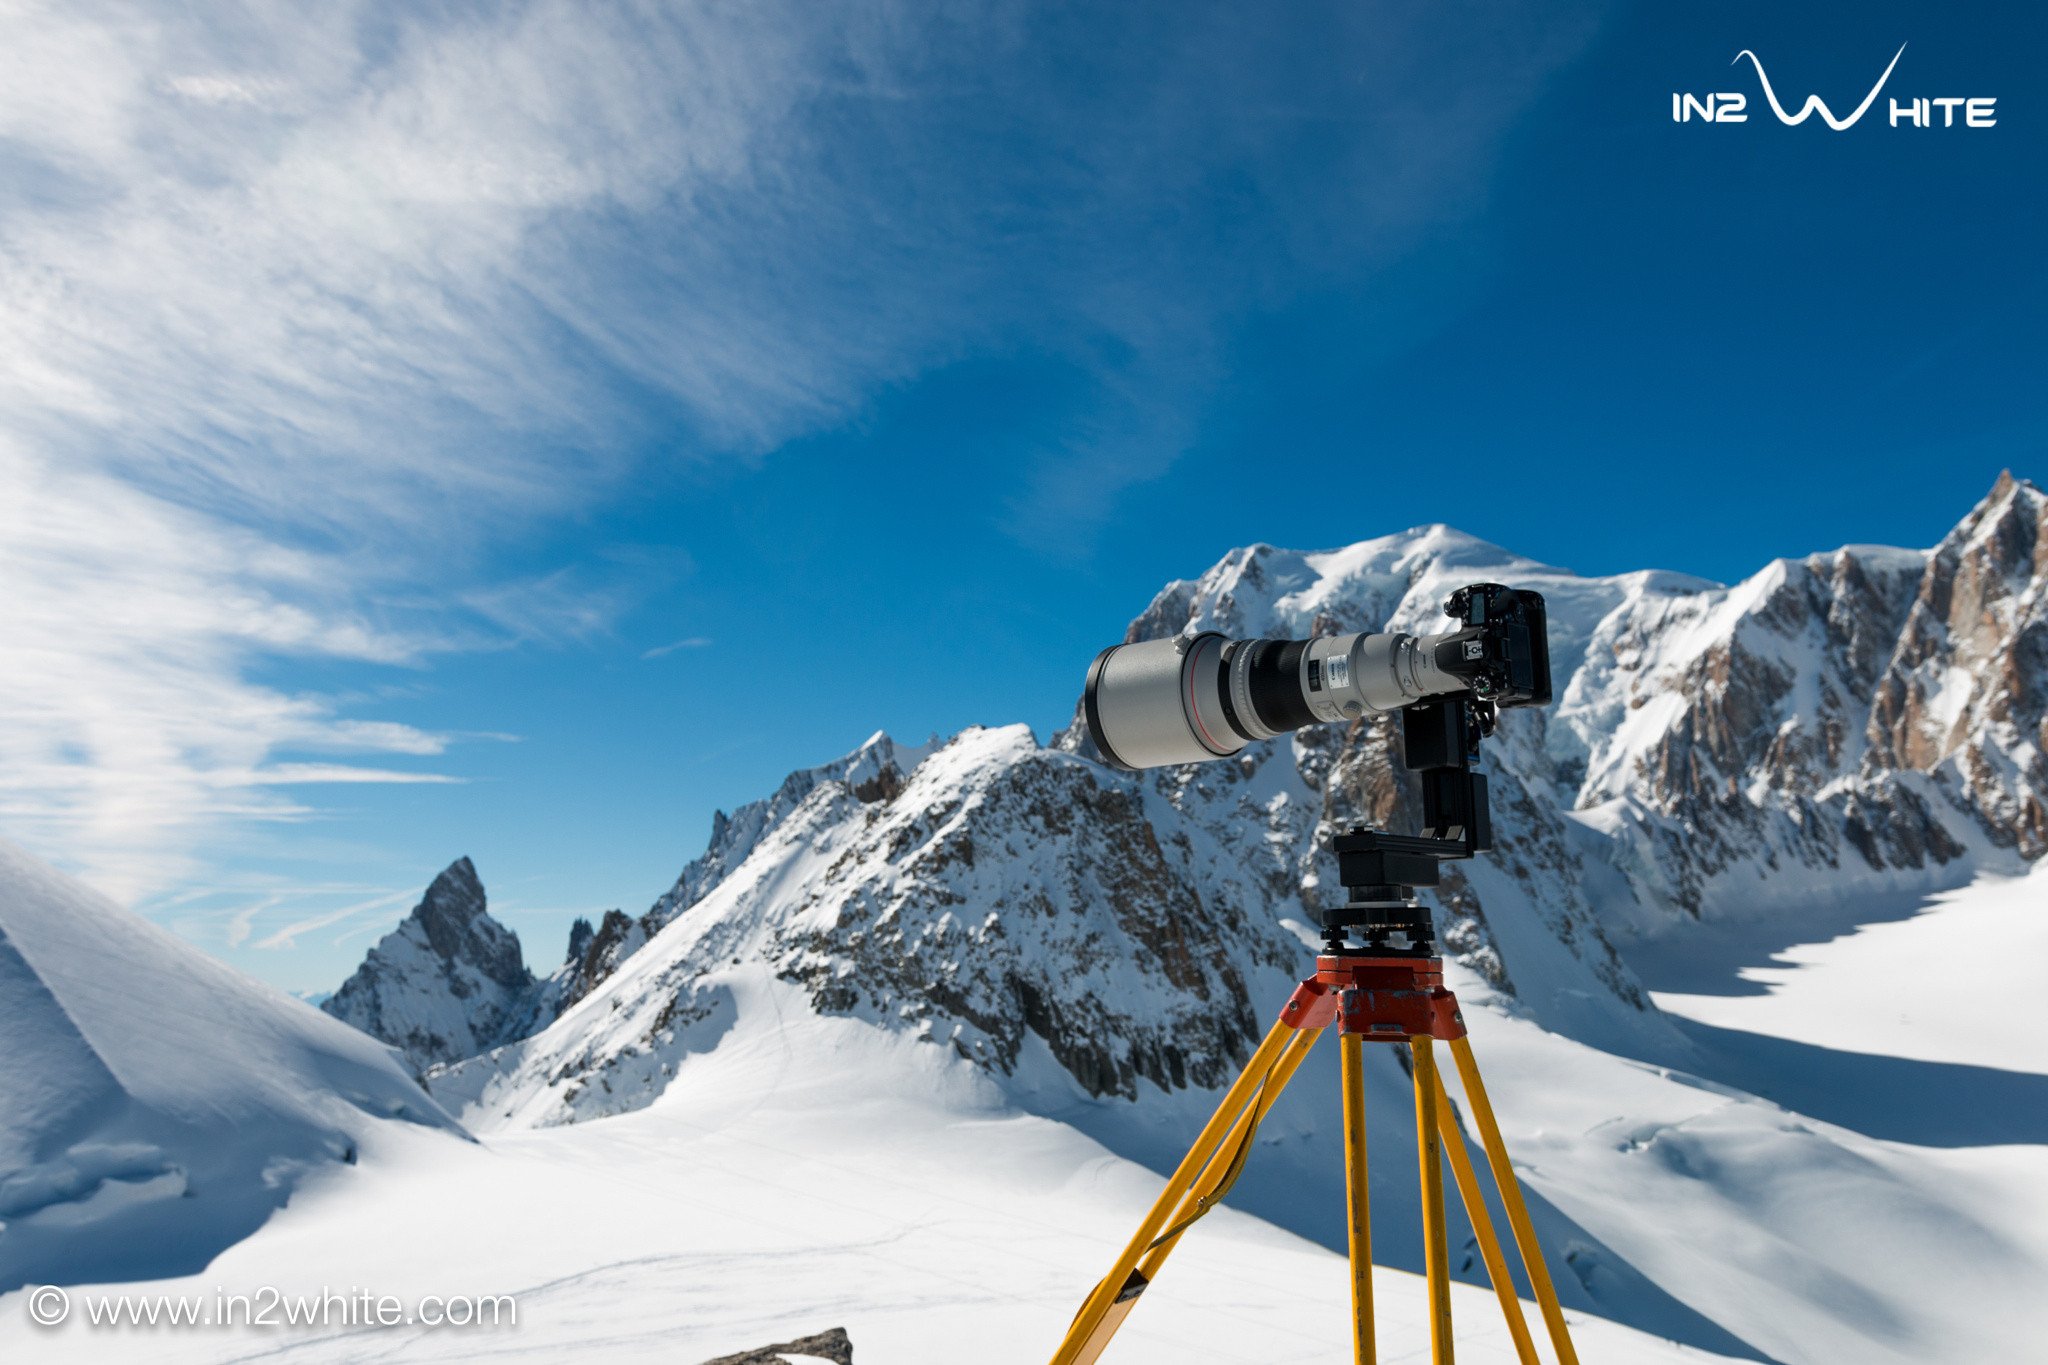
(155, 1105)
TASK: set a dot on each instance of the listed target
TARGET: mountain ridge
(1849, 729)
(1716, 751)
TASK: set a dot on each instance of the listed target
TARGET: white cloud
(240, 922)
(660, 651)
(306, 307)
(287, 936)
(223, 89)
(127, 724)
(268, 281)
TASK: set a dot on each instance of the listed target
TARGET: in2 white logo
(1978, 111)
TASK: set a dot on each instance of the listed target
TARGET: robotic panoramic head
(1198, 697)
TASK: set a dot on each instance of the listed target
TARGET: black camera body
(1503, 654)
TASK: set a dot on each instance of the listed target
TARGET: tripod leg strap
(1511, 1198)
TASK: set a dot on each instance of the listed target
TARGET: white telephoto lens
(1159, 702)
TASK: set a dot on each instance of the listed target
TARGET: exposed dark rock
(448, 983)
(832, 1344)
(1965, 694)
(580, 934)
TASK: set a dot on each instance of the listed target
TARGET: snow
(803, 1172)
(903, 1050)
(155, 1104)
(1960, 981)
(1810, 1239)
(799, 1172)
(820, 1174)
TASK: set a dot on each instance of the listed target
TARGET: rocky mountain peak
(1965, 694)
(447, 983)
(595, 953)
(454, 917)
(580, 934)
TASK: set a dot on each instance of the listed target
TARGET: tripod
(1389, 989)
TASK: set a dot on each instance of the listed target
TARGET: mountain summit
(447, 983)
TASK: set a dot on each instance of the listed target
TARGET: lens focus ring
(1239, 690)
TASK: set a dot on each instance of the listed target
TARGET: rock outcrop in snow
(156, 1105)
(1861, 720)
(448, 982)
(1964, 696)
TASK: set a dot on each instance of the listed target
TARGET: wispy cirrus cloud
(127, 721)
(307, 309)
(288, 935)
(662, 651)
(277, 354)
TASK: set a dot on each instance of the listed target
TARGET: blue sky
(518, 431)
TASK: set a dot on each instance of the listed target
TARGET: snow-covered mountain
(1860, 722)
(1866, 719)
(155, 1105)
(1848, 721)
(450, 981)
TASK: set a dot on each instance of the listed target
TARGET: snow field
(802, 1172)
(826, 1175)
(1964, 980)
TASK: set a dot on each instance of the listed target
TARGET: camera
(1198, 697)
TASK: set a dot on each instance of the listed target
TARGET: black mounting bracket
(1440, 740)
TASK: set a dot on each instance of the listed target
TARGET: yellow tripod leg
(1204, 1193)
(1359, 1199)
(1511, 1197)
(1435, 1249)
(1221, 1170)
(1104, 1297)
(1482, 1227)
